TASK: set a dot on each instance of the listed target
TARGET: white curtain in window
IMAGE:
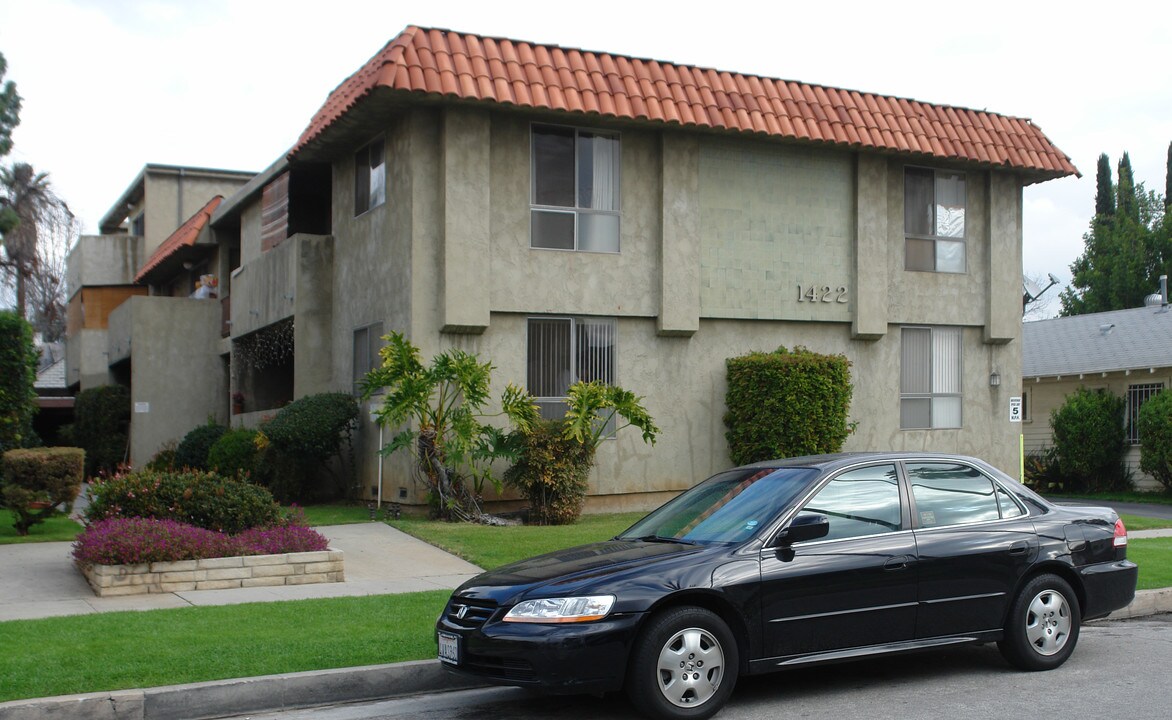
(606, 173)
(946, 360)
(916, 361)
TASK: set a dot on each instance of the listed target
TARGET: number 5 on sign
(1014, 409)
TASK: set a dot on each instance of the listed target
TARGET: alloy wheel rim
(1048, 622)
(690, 668)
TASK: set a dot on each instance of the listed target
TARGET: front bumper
(1109, 586)
(570, 657)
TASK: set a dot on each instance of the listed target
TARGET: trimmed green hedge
(18, 372)
(101, 427)
(193, 449)
(786, 403)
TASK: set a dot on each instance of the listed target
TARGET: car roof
(832, 461)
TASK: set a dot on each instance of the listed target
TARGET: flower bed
(128, 556)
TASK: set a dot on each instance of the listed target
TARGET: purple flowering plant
(135, 540)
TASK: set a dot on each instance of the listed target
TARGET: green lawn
(55, 529)
(491, 547)
(1151, 498)
(110, 651)
(1137, 522)
(1154, 557)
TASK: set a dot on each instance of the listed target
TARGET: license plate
(449, 648)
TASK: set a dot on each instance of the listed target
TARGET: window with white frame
(930, 378)
(367, 342)
(562, 351)
(370, 177)
(1137, 395)
(933, 220)
(575, 189)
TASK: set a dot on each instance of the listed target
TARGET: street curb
(273, 693)
(223, 698)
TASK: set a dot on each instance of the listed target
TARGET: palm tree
(28, 197)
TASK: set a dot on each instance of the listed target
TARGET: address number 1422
(822, 293)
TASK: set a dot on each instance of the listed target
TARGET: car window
(1008, 507)
(950, 494)
(859, 502)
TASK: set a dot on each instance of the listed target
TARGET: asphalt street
(1118, 670)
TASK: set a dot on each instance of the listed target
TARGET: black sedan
(792, 562)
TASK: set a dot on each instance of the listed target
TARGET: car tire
(1043, 625)
(683, 666)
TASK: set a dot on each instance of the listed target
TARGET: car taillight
(1120, 534)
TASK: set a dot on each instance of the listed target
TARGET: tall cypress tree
(1168, 182)
(1105, 190)
(1127, 205)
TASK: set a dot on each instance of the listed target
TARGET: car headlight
(561, 610)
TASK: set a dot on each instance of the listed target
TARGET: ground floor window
(1137, 395)
(563, 350)
(367, 342)
(930, 378)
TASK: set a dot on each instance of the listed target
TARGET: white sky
(110, 85)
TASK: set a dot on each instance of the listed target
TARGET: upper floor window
(138, 225)
(933, 220)
(930, 378)
(370, 177)
(575, 193)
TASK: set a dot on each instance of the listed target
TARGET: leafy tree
(1104, 189)
(29, 196)
(440, 409)
(1127, 248)
(101, 427)
(9, 109)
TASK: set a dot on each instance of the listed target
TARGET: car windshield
(726, 508)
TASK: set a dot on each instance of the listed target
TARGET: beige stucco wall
(1048, 394)
(170, 198)
(177, 377)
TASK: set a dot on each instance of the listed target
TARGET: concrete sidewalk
(39, 580)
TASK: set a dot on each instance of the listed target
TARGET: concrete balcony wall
(177, 376)
(294, 279)
(85, 359)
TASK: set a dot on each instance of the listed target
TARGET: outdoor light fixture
(994, 379)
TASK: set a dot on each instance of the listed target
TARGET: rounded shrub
(301, 439)
(1088, 440)
(234, 453)
(199, 498)
(1155, 432)
(551, 473)
(192, 451)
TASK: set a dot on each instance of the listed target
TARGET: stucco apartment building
(570, 214)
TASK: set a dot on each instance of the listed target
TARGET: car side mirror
(802, 528)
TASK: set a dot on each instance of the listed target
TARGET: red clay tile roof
(442, 63)
(183, 237)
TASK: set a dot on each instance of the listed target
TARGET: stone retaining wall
(216, 573)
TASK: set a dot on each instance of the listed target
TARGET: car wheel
(1043, 625)
(683, 666)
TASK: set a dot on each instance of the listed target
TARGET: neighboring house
(578, 215)
(1125, 352)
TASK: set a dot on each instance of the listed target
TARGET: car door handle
(1021, 547)
(898, 563)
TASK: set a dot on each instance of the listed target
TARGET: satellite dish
(1031, 291)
